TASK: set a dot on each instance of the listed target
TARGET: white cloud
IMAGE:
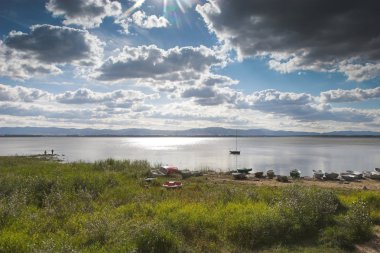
(148, 22)
(114, 99)
(302, 107)
(19, 93)
(341, 96)
(85, 13)
(151, 62)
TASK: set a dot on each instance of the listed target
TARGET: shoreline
(363, 184)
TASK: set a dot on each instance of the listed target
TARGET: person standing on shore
(52, 152)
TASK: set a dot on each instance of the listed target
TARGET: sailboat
(235, 152)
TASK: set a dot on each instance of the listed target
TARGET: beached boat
(295, 173)
(270, 174)
(244, 170)
(157, 173)
(348, 177)
(259, 174)
(318, 174)
(235, 152)
(190, 173)
(239, 175)
(374, 175)
(169, 169)
(164, 171)
(331, 175)
(283, 179)
(357, 174)
(172, 184)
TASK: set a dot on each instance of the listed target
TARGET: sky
(291, 65)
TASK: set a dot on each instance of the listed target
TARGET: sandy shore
(368, 184)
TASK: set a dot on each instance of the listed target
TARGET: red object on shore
(172, 184)
(169, 169)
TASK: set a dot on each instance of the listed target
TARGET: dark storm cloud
(314, 34)
(55, 44)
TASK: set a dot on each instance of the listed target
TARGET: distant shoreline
(197, 136)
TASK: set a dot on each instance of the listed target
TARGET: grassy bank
(46, 206)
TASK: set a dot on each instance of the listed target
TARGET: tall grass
(106, 206)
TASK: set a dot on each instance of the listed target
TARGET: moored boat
(236, 151)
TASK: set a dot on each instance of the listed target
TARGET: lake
(259, 153)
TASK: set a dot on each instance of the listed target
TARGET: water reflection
(163, 143)
(262, 153)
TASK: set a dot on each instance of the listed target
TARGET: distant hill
(210, 131)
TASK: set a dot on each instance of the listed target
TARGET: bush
(154, 238)
(255, 226)
(351, 228)
(308, 209)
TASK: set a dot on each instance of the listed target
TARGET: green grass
(106, 206)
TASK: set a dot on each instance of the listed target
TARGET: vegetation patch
(106, 206)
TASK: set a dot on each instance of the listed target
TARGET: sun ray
(137, 4)
(165, 6)
(180, 6)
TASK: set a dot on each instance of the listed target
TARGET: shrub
(308, 209)
(351, 228)
(255, 226)
(154, 238)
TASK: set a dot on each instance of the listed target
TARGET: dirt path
(373, 246)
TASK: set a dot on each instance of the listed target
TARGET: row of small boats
(348, 175)
(244, 172)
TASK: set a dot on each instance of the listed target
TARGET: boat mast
(236, 140)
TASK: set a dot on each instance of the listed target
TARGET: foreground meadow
(46, 206)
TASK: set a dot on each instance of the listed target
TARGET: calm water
(259, 153)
